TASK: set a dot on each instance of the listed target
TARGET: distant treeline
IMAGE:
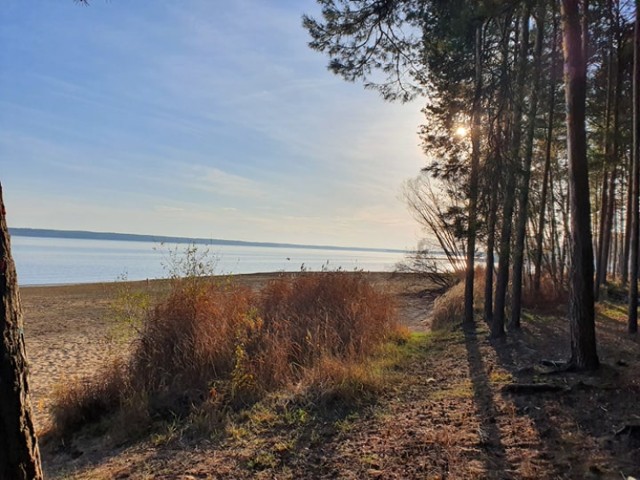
(130, 237)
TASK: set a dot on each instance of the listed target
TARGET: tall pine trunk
(523, 197)
(547, 161)
(555, 238)
(19, 454)
(581, 304)
(607, 198)
(610, 213)
(473, 180)
(635, 179)
(504, 260)
(626, 246)
(490, 257)
(615, 152)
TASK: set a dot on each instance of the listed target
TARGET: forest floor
(448, 409)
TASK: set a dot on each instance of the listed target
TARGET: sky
(196, 118)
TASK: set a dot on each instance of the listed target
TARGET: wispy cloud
(220, 119)
(214, 180)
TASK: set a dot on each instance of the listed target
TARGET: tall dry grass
(550, 298)
(448, 309)
(223, 344)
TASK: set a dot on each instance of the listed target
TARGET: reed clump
(220, 344)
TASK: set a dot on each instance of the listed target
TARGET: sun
(461, 131)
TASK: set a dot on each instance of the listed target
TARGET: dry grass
(224, 346)
(550, 298)
(79, 402)
(448, 309)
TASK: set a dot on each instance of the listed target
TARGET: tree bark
(635, 179)
(581, 303)
(504, 260)
(523, 197)
(626, 247)
(615, 152)
(555, 240)
(547, 162)
(19, 454)
(490, 257)
(610, 213)
(473, 181)
(608, 179)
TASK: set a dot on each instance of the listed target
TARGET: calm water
(46, 261)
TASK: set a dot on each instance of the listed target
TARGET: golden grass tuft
(332, 381)
(448, 309)
(212, 346)
(81, 401)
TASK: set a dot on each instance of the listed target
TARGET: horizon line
(136, 237)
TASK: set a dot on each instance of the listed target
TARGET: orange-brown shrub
(191, 337)
(550, 298)
(78, 402)
(327, 313)
(222, 343)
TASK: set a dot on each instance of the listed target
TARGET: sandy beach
(67, 328)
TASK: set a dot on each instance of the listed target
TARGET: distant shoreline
(249, 279)
(132, 237)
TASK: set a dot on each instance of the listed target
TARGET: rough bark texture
(19, 454)
(581, 303)
(473, 181)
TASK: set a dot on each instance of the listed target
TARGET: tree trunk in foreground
(581, 304)
(19, 454)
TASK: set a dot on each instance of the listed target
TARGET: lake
(52, 261)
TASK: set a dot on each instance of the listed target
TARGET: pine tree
(19, 454)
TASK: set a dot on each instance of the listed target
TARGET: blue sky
(195, 118)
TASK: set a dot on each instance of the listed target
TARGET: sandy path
(66, 336)
(67, 327)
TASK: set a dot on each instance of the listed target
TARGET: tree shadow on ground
(299, 439)
(577, 426)
(489, 435)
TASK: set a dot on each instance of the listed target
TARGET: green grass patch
(612, 310)
(460, 390)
